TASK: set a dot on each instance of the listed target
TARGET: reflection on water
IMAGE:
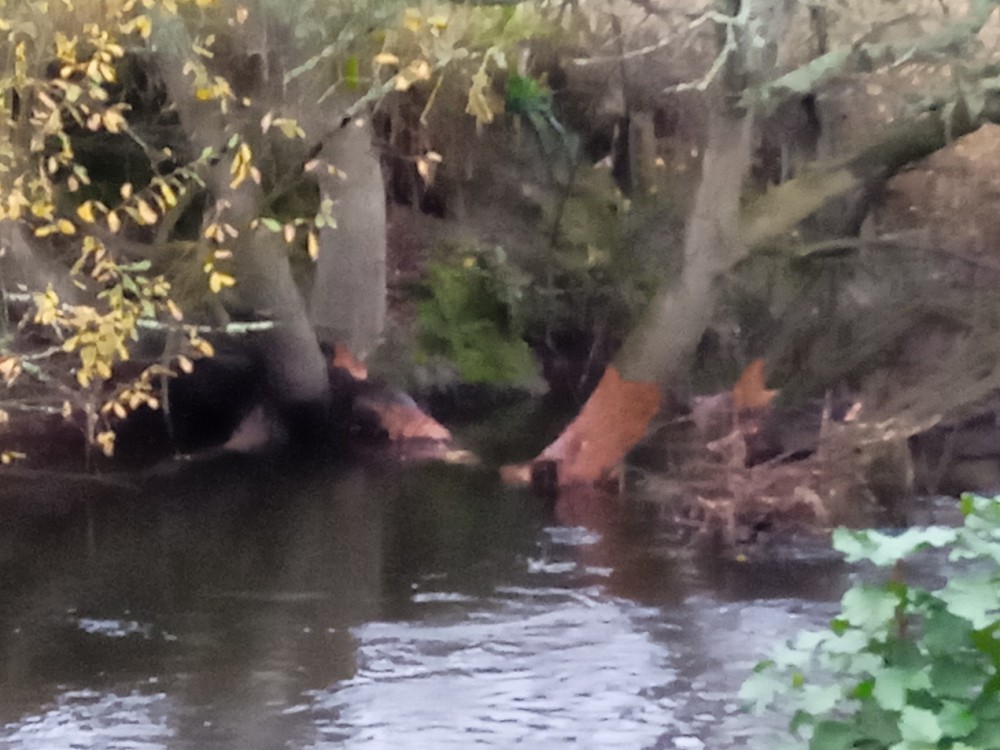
(244, 606)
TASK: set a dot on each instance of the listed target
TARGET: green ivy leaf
(956, 678)
(956, 719)
(869, 608)
(892, 685)
(883, 549)
(834, 735)
(820, 699)
(942, 630)
(974, 597)
(919, 725)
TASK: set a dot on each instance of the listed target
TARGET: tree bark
(629, 395)
(347, 304)
(296, 369)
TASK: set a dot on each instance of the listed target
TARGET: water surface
(250, 606)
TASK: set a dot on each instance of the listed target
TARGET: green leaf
(986, 712)
(974, 597)
(919, 725)
(869, 607)
(820, 699)
(761, 688)
(879, 727)
(956, 678)
(352, 78)
(943, 630)
(956, 719)
(884, 550)
(834, 735)
(890, 688)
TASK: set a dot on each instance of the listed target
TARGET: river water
(246, 606)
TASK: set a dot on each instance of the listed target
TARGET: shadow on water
(246, 605)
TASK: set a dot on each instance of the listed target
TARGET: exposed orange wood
(344, 359)
(750, 392)
(406, 422)
(612, 421)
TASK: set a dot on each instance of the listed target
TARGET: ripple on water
(572, 536)
(91, 719)
(572, 671)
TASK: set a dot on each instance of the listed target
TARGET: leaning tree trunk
(296, 369)
(629, 395)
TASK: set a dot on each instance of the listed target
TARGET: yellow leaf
(168, 194)
(83, 378)
(185, 364)
(218, 281)
(114, 121)
(106, 440)
(86, 212)
(109, 76)
(312, 245)
(412, 19)
(289, 128)
(66, 226)
(10, 368)
(146, 212)
(88, 356)
(386, 58)
(114, 222)
(478, 104)
(174, 310)
(143, 25)
(203, 94)
(125, 190)
(289, 233)
(418, 70)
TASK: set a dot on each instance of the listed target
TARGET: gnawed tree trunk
(295, 367)
(347, 304)
(629, 395)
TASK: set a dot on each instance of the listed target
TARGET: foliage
(218, 110)
(61, 66)
(902, 666)
(472, 316)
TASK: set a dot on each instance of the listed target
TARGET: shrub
(902, 667)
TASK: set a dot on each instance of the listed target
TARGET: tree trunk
(618, 413)
(296, 369)
(348, 300)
